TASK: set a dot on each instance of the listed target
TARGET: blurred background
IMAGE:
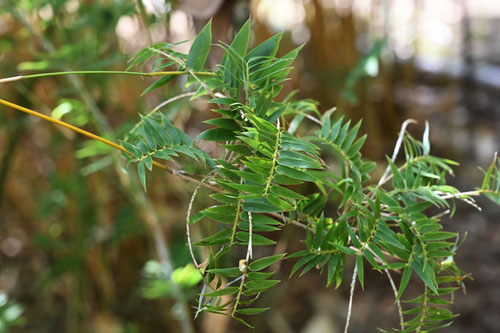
(76, 248)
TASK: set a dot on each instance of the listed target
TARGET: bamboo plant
(266, 178)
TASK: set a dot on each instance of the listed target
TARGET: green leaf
(426, 273)
(261, 207)
(286, 193)
(361, 272)
(298, 160)
(252, 177)
(404, 281)
(216, 134)
(158, 83)
(131, 148)
(257, 240)
(198, 52)
(141, 56)
(223, 214)
(226, 123)
(267, 48)
(398, 180)
(220, 237)
(261, 284)
(224, 100)
(262, 263)
(294, 173)
(276, 201)
(439, 235)
(251, 311)
(332, 269)
(196, 217)
(301, 262)
(487, 175)
(141, 170)
(243, 322)
(148, 160)
(240, 42)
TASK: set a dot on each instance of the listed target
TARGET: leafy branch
(383, 225)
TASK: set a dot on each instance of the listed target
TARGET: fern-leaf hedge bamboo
(269, 177)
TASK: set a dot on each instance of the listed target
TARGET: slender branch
(179, 173)
(394, 289)
(351, 295)
(188, 71)
(63, 124)
(462, 194)
(398, 302)
(250, 229)
(188, 215)
(170, 100)
(162, 104)
(31, 76)
(383, 179)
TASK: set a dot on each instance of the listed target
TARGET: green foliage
(162, 140)
(260, 177)
(383, 227)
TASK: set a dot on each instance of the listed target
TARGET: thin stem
(63, 124)
(394, 289)
(179, 173)
(31, 76)
(188, 71)
(162, 104)
(351, 295)
(250, 231)
(398, 302)
(188, 215)
(396, 149)
(275, 158)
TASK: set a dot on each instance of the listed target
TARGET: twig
(461, 194)
(398, 302)
(188, 216)
(193, 74)
(351, 295)
(394, 289)
(179, 173)
(250, 227)
(170, 100)
(162, 104)
(383, 179)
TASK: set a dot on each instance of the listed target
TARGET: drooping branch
(93, 136)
